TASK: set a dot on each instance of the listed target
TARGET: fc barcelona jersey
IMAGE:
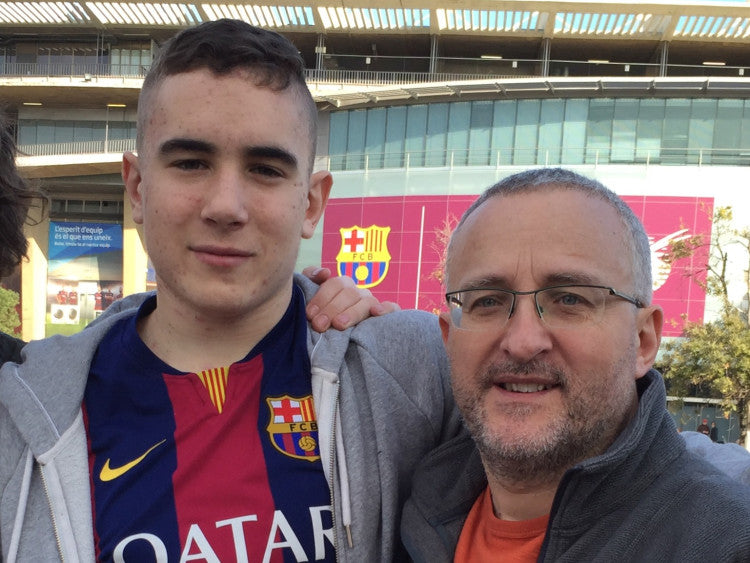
(217, 466)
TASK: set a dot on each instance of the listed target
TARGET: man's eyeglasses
(559, 306)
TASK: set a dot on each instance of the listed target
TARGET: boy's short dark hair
(224, 46)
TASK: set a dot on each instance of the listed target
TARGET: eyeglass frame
(612, 291)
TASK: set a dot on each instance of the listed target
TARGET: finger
(384, 307)
(327, 303)
(317, 274)
(352, 308)
(343, 310)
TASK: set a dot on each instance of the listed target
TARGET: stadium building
(422, 105)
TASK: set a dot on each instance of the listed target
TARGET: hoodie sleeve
(732, 459)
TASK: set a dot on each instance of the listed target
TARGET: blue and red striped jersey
(222, 465)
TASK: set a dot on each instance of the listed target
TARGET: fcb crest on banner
(364, 255)
(292, 426)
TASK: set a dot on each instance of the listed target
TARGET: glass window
(375, 137)
(97, 131)
(649, 131)
(45, 131)
(458, 133)
(744, 157)
(480, 133)
(599, 130)
(74, 206)
(339, 127)
(83, 131)
(395, 134)
(574, 131)
(437, 129)
(115, 62)
(64, 131)
(550, 131)
(145, 61)
(503, 131)
(676, 125)
(355, 146)
(623, 130)
(416, 127)
(119, 130)
(27, 129)
(701, 130)
(527, 129)
(727, 132)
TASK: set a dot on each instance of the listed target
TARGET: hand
(339, 303)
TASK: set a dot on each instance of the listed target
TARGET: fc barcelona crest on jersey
(292, 427)
(364, 254)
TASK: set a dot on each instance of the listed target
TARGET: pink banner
(395, 245)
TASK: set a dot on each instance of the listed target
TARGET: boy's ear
(317, 198)
(131, 177)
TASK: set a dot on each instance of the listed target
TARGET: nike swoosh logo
(109, 473)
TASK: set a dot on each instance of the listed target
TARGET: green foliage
(9, 320)
(713, 359)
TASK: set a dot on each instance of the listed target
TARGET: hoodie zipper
(52, 515)
(332, 468)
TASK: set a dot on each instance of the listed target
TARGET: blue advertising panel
(84, 273)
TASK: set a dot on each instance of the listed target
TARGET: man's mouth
(525, 387)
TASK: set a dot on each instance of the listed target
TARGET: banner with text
(84, 273)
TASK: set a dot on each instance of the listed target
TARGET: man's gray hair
(539, 179)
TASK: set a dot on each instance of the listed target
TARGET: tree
(713, 358)
(9, 320)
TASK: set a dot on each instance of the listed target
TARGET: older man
(551, 336)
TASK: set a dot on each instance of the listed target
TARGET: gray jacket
(645, 499)
(382, 396)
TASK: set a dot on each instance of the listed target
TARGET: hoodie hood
(32, 391)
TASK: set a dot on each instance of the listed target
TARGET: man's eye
(570, 299)
(573, 300)
(486, 302)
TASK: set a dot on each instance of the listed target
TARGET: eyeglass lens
(557, 306)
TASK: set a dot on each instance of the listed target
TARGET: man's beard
(584, 429)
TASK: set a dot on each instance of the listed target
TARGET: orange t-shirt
(485, 537)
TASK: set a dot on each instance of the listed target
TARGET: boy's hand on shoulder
(339, 303)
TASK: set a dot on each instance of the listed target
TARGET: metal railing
(565, 156)
(448, 70)
(78, 147)
(85, 70)
(370, 77)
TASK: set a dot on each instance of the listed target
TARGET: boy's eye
(191, 164)
(265, 170)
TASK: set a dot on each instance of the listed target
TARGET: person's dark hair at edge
(226, 45)
(15, 199)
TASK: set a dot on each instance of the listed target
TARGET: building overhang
(351, 97)
(654, 21)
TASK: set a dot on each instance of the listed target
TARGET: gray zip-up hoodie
(647, 498)
(383, 400)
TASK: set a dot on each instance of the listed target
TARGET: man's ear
(131, 177)
(317, 198)
(649, 324)
(445, 325)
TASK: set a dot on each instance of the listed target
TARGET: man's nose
(525, 335)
